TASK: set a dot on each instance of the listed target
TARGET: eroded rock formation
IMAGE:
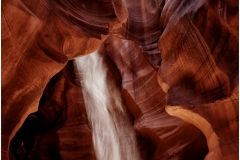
(176, 63)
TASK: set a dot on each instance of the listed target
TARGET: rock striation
(175, 62)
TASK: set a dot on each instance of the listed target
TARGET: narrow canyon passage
(120, 80)
(113, 134)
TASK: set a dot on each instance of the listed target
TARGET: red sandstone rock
(192, 44)
(146, 101)
(200, 69)
(35, 47)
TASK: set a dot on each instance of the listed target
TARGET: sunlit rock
(173, 63)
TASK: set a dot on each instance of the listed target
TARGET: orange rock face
(176, 63)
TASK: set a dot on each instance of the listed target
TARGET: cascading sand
(113, 134)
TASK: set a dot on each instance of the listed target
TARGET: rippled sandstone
(175, 61)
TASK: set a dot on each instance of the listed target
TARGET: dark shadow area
(23, 142)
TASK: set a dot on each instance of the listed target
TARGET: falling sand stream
(113, 134)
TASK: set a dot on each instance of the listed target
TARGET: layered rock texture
(175, 62)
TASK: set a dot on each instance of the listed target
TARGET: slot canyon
(119, 80)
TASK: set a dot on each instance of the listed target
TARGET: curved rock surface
(146, 101)
(36, 44)
(199, 71)
(175, 61)
(62, 129)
